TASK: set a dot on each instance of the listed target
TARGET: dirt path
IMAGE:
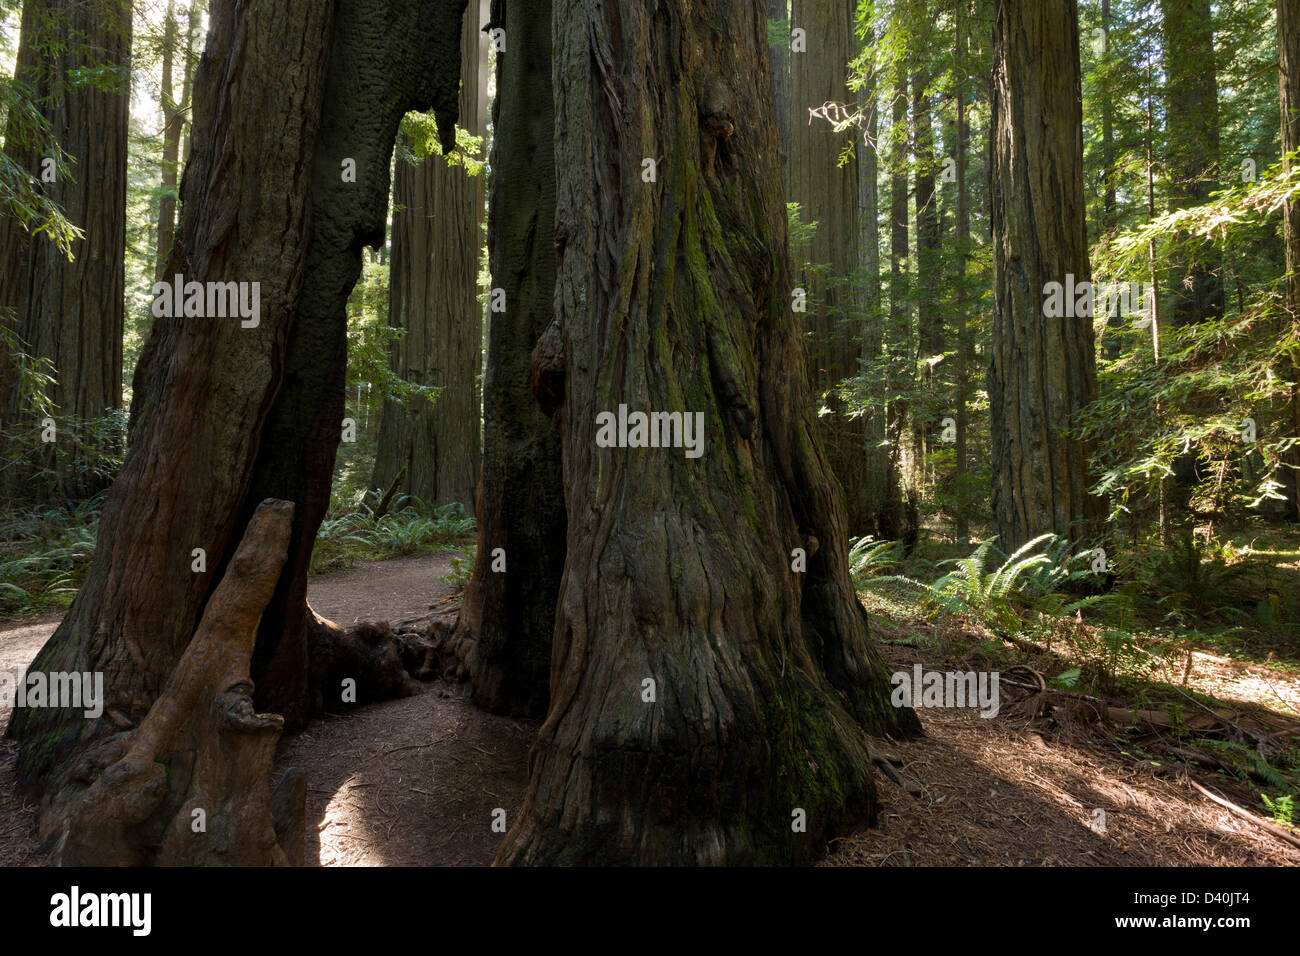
(419, 781)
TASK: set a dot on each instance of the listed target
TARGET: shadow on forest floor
(415, 781)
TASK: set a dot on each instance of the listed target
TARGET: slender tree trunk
(508, 611)
(1288, 50)
(707, 701)
(1109, 203)
(166, 227)
(1043, 369)
(70, 311)
(877, 479)
(174, 114)
(929, 322)
(193, 38)
(434, 299)
(228, 415)
(891, 517)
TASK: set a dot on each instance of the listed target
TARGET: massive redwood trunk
(1043, 369)
(674, 296)
(292, 97)
(73, 58)
(508, 611)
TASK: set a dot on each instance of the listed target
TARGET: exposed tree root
(191, 785)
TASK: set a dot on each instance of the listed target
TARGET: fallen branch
(1260, 822)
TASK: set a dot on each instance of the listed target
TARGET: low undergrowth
(46, 552)
(1196, 643)
(358, 529)
(44, 555)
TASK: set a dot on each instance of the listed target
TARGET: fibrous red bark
(674, 294)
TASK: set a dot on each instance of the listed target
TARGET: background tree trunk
(962, 144)
(70, 311)
(1043, 370)
(508, 614)
(174, 118)
(877, 475)
(1192, 130)
(675, 295)
(1288, 55)
(433, 289)
(929, 321)
(225, 416)
(825, 184)
(778, 11)
(891, 514)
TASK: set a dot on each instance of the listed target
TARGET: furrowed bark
(1043, 369)
(434, 298)
(504, 630)
(675, 295)
(70, 311)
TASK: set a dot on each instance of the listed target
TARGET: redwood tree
(434, 299)
(929, 321)
(296, 107)
(824, 181)
(707, 697)
(1192, 117)
(72, 60)
(1288, 55)
(508, 611)
(1043, 369)
(175, 113)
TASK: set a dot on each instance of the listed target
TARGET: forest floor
(418, 781)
